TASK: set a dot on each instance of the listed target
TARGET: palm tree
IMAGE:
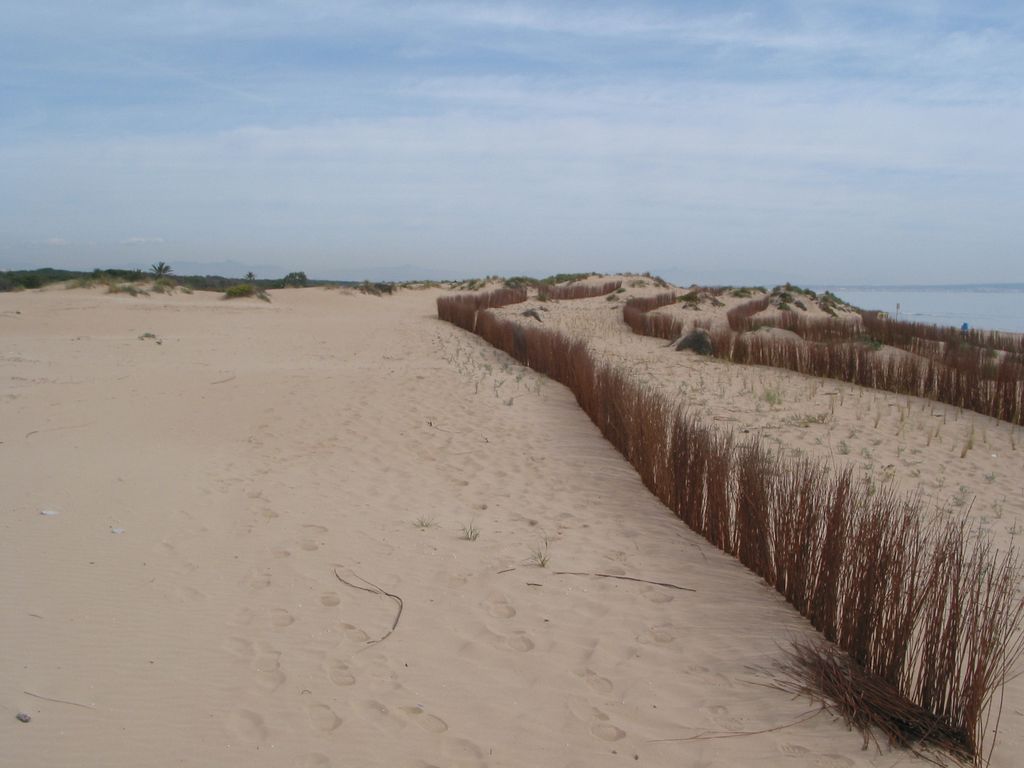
(250, 275)
(160, 269)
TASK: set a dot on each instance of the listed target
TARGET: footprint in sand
(716, 679)
(721, 718)
(247, 725)
(656, 596)
(353, 632)
(607, 732)
(464, 751)
(603, 728)
(259, 581)
(596, 682)
(427, 722)
(832, 761)
(316, 528)
(499, 606)
(280, 618)
(309, 545)
(239, 646)
(280, 553)
(378, 715)
(660, 635)
(329, 599)
(519, 642)
(793, 750)
(316, 760)
(322, 718)
(267, 667)
(341, 674)
(188, 594)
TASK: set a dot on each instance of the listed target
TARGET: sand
(212, 482)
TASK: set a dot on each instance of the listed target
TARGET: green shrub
(567, 277)
(521, 281)
(239, 291)
(164, 285)
(128, 288)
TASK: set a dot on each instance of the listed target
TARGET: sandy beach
(215, 512)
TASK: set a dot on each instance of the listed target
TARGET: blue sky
(830, 141)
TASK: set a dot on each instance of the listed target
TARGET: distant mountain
(228, 268)
(397, 274)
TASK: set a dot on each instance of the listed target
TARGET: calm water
(999, 308)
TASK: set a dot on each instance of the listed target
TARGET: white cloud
(796, 130)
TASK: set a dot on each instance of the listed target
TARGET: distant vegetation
(164, 280)
(160, 269)
(375, 289)
(23, 279)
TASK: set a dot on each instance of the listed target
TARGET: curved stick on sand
(624, 578)
(375, 591)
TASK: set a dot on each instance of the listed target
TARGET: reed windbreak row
(940, 366)
(925, 609)
(463, 309)
(577, 290)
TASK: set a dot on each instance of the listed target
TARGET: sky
(819, 142)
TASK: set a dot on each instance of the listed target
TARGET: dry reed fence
(463, 309)
(926, 609)
(940, 366)
(635, 313)
(578, 290)
(899, 333)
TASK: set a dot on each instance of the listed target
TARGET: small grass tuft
(422, 522)
(540, 555)
(470, 532)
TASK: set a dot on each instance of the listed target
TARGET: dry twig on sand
(59, 701)
(735, 734)
(373, 589)
(624, 578)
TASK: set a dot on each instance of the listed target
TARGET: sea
(996, 307)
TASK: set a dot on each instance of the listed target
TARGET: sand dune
(213, 481)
